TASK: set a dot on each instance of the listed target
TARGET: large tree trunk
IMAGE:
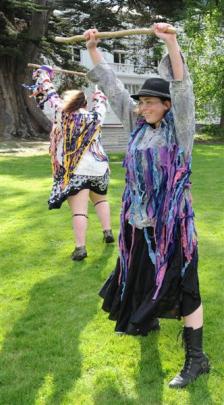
(19, 115)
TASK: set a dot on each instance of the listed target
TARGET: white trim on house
(114, 138)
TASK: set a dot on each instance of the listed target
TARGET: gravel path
(23, 148)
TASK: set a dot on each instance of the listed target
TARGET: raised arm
(174, 69)
(99, 104)
(45, 94)
(173, 49)
(102, 75)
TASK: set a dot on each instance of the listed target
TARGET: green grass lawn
(57, 346)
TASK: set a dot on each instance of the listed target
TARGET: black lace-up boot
(196, 362)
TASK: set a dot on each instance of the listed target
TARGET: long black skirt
(178, 296)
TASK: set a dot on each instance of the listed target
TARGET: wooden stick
(58, 70)
(114, 34)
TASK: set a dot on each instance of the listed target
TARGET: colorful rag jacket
(158, 166)
(72, 133)
(157, 185)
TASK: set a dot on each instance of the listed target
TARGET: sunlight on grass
(118, 357)
(45, 392)
(57, 346)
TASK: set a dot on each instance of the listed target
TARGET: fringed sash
(78, 132)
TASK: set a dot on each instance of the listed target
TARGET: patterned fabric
(98, 184)
(72, 134)
(79, 131)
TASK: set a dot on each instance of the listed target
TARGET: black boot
(196, 362)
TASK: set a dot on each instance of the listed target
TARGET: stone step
(114, 139)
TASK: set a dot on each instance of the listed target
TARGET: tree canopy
(204, 28)
(28, 29)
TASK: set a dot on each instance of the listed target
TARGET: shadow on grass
(151, 377)
(40, 357)
(200, 395)
(148, 383)
(104, 397)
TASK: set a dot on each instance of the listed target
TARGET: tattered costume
(156, 271)
(78, 158)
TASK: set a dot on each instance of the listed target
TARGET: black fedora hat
(153, 87)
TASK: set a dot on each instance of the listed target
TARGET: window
(119, 57)
(75, 54)
(132, 88)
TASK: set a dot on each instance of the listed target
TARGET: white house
(114, 137)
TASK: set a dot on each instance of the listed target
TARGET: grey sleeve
(119, 98)
(183, 106)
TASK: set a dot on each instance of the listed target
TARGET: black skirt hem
(178, 296)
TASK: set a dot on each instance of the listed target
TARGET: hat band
(145, 92)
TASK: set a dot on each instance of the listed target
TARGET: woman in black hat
(156, 272)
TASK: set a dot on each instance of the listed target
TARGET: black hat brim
(150, 93)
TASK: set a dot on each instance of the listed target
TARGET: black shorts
(97, 184)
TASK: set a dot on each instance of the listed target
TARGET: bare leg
(194, 320)
(102, 209)
(79, 208)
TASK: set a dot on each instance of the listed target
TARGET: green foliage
(148, 11)
(206, 59)
(203, 23)
(21, 9)
(202, 40)
(15, 22)
(210, 133)
(10, 52)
